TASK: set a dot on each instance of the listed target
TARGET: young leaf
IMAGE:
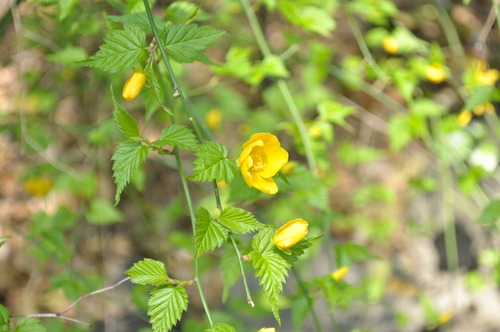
(180, 136)
(490, 215)
(350, 253)
(210, 234)
(230, 274)
(298, 250)
(239, 221)
(166, 306)
(221, 327)
(125, 122)
(29, 325)
(148, 271)
(123, 49)
(129, 156)
(270, 267)
(212, 164)
(102, 212)
(480, 95)
(187, 42)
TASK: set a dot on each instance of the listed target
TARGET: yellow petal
(267, 186)
(248, 149)
(290, 233)
(340, 273)
(275, 162)
(270, 142)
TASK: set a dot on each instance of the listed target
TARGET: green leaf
(310, 18)
(187, 42)
(4, 317)
(180, 136)
(427, 108)
(399, 132)
(123, 49)
(212, 164)
(335, 112)
(166, 306)
(350, 253)
(148, 272)
(129, 156)
(239, 221)
(139, 20)
(298, 250)
(490, 215)
(125, 122)
(1, 244)
(230, 274)
(338, 293)
(272, 65)
(29, 325)
(210, 234)
(480, 95)
(65, 7)
(102, 212)
(68, 56)
(300, 310)
(221, 327)
(270, 267)
(158, 93)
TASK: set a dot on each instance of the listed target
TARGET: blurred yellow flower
(485, 77)
(213, 118)
(133, 86)
(315, 131)
(464, 118)
(290, 233)
(267, 329)
(38, 186)
(391, 45)
(486, 107)
(445, 317)
(340, 273)
(435, 73)
(288, 168)
(261, 158)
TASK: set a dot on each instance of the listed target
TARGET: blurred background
(399, 103)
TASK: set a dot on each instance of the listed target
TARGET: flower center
(259, 159)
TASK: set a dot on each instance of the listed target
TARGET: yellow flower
(38, 186)
(213, 118)
(445, 317)
(391, 45)
(133, 86)
(261, 158)
(488, 107)
(435, 73)
(290, 233)
(485, 77)
(267, 329)
(464, 118)
(288, 168)
(340, 273)
(315, 131)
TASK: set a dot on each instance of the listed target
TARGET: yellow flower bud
(445, 317)
(38, 186)
(213, 118)
(435, 73)
(290, 233)
(316, 131)
(288, 168)
(267, 329)
(391, 45)
(486, 107)
(340, 273)
(464, 118)
(133, 86)
(485, 77)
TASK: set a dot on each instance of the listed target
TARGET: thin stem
(256, 30)
(247, 291)
(178, 159)
(451, 35)
(308, 299)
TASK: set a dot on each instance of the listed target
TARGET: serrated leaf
(148, 272)
(166, 306)
(338, 293)
(221, 327)
(270, 267)
(180, 136)
(350, 252)
(210, 234)
(4, 315)
(239, 221)
(187, 42)
(272, 65)
(298, 250)
(139, 20)
(230, 274)
(29, 325)
(125, 122)
(212, 164)
(480, 95)
(129, 156)
(122, 49)
(490, 215)
(158, 93)
(102, 212)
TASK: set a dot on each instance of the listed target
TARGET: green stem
(180, 168)
(247, 291)
(308, 299)
(451, 35)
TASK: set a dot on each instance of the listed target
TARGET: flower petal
(270, 142)
(244, 167)
(275, 162)
(267, 186)
(248, 149)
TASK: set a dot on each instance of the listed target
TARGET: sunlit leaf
(148, 271)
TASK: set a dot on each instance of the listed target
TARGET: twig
(483, 34)
(61, 313)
